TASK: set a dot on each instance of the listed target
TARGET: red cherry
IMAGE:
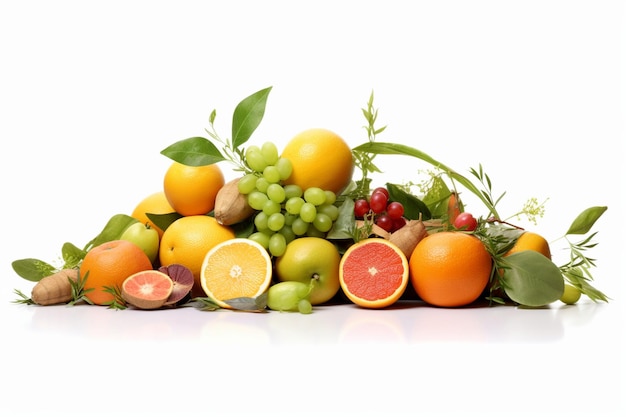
(465, 221)
(395, 210)
(378, 202)
(361, 207)
(384, 222)
(381, 190)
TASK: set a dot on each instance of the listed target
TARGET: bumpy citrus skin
(320, 158)
(450, 269)
(155, 203)
(186, 242)
(108, 265)
(192, 190)
(531, 241)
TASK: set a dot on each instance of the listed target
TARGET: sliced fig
(183, 283)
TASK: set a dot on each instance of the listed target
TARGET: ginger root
(55, 288)
(407, 237)
(230, 205)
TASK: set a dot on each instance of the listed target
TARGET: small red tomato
(378, 202)
(361, 207)
(465, 221)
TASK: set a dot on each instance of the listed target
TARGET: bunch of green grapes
(284, 212)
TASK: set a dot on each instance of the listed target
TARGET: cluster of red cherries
(388, 215)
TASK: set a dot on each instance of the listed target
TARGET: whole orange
(155, 203)
(108, 265)
(187, 241)
(320, 158)
(450, 269)
(191, 190)
(531, 241)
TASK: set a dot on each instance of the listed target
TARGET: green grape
(254, 159)
(270, 207)
(257, 200)
(262, 184)
(262, 238)
(286, 295)
(260, 221)
(322, 222)
(315, 196)
(285, 168)
(275, 222)
(247, 183)
(308, 212)
(330, 210)
(289, 218)
(270, 173)
(270, 153)
(304, 306)
(276, 193)
(299, 226)
(313, 231)
(287, 231)
(292, 190)
(277, 244)
(293, 205)
(331, 197)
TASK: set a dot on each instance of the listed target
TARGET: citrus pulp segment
(374, 273)
(147, 289)
(236, 268)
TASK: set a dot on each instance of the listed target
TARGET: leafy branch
(577, 271)
(364, 160)
(199, 151)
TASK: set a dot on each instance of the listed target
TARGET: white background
(91, 92)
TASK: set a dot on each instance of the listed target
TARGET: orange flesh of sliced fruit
(236, 268)
(374, 273)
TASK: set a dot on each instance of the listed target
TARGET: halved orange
(373, 273)
(147, 289)
(235, 268)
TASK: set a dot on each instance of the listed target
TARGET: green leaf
(195, 151)
(112, 230)
(384, 148)
(413, 206)
(585, 220)
(163, 221)
(72, 255)
(247, 116)
(32, 269)
(436, 198)
(531, 279)
(343, 227)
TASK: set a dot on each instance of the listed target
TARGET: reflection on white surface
(408, 323)
(407, 358)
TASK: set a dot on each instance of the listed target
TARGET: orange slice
(147, 289)
(373, 273)
(235, 268)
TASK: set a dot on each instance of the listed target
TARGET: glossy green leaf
(585, 220)
(413, 206)
(163, 221)
(72, 255)
(195, 151)
(531, 279)
(343, 228)
(112, 230)
(248, 115)
(32, 269)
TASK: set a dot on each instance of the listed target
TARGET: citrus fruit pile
(297, 228)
